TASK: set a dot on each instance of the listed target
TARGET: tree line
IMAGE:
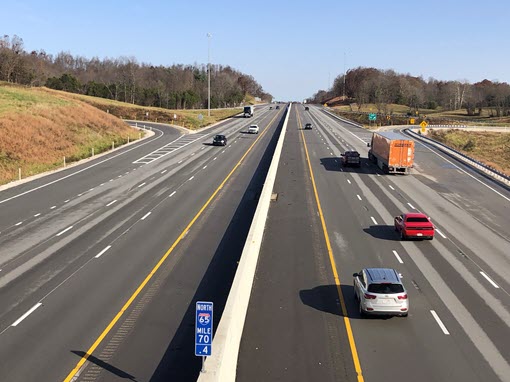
(384, 87)
(125, 79)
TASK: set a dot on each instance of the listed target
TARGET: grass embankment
(490, 148)
(39, 127)
(185, 118)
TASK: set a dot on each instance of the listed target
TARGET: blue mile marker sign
(203, 328)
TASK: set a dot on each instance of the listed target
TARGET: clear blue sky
(291, 48)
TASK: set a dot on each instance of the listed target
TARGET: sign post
(203, 330)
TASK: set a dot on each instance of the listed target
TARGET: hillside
(39, 127)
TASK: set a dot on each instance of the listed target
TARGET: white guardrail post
(221, 366)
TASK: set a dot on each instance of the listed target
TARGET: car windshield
(386, 288)
(417, 220)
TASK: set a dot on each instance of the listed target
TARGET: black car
(308, 126)
(219, 140)
(306, 108)
(277, 107)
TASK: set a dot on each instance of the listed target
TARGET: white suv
(380, 291)
(253, 129)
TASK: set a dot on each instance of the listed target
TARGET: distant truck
(393, 152)
(248, 111)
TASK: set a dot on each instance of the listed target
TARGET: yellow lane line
(128, 303)
(347, 322)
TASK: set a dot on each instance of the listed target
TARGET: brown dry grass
(490, 148)
(186, 118)
(38, 128)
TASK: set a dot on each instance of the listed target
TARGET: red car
(415, 225)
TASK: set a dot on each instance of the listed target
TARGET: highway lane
(465, 248)
(83, 277)
(358, 208)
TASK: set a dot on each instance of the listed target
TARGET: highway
(329, 222)
(100, 264)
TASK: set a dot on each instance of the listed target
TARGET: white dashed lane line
(440, 323)
(145, 216)
(359, 197)
(398, 257)
(489, 280)
(439, 232)
(28, 313)
(164, 171)
(391, 187)
(141, 185)
(17, 224)
(36, 215)
(111, 203)
(410, 205)
(64, 231)
(66, 201)
(102, 252)
(191, 178)
(53, 207)
(172, 194)
(348, 181)
(204, 167)
(373, 219)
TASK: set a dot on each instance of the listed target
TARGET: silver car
(380, 291)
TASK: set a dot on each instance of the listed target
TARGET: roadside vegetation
(41, 126)
(396, 97)
(490, 148)
(127, 80)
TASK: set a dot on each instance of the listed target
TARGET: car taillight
(370, 296)
(403, 297)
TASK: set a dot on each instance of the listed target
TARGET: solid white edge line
(398, 257)
(64, 231)
(410, 205)
(145, 216)
(28, 313)
(103, 251)
(359, 197)
(439, 232)
(113, 202)
(172, 194)
(373, 219)
(489, 280)
(440, 323)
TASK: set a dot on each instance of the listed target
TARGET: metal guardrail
(492, 172)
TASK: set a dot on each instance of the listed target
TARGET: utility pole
(209, 74)
(344, 77)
